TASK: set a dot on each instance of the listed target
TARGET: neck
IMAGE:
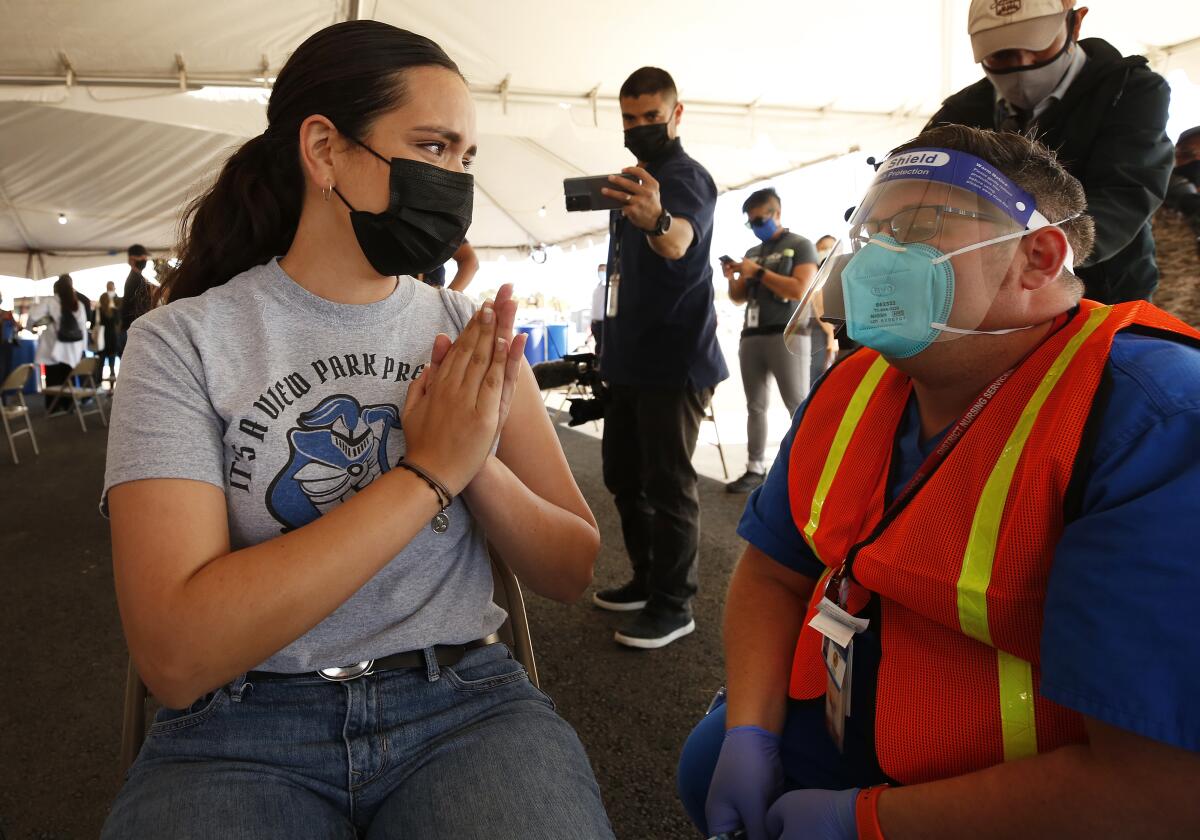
(328, 265)
(950, 375)
(778, 233)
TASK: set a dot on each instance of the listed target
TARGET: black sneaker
(652, 629)
(746, 483)
(631, 596)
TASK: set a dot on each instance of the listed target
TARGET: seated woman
(304, 476)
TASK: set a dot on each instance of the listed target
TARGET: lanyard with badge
(833, 621)
(612, 284)
(752, 308)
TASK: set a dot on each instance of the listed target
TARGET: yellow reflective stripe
(976, 574)
(1017, 725)
(841, 440)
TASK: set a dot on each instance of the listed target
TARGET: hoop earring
(327, 191)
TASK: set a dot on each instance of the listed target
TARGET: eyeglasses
(753, 223)
(916, 224)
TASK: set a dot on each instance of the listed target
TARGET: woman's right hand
(452, 414)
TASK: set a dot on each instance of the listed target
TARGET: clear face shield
(924, 255)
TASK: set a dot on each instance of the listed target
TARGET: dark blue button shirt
(665, 331)
(1119, 641)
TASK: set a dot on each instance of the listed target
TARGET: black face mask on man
(648, 142)
(139, 265)
(426, 220)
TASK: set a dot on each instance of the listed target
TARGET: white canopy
(114, 114)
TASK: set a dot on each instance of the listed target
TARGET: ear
(1080, 14)
(317, 151)
(678, 113)
(1045, 252)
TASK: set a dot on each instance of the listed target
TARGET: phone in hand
(583, 194)
(725, 258)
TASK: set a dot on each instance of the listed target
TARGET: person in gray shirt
(309, 456)
(770, 280)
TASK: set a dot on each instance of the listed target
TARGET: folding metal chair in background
(88, 374)
(15, 383)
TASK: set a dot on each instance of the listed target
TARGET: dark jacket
(1109, 131)
(137, 298)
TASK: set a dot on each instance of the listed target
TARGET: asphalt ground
(64, 656)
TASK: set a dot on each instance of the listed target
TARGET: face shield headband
(895, 290)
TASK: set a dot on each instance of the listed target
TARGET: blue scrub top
(1119, 643)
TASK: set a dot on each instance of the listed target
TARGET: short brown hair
(1031, 166)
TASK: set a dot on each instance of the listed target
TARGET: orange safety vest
(961, 570)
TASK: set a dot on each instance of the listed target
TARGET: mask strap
(947, 328)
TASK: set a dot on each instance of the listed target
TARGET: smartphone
(583, 194)
(725, 258)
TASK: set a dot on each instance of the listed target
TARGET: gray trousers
(761, 357)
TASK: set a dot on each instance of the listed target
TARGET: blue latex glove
(747, 779)
(814, 815)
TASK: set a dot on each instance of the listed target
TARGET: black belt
(447, 656)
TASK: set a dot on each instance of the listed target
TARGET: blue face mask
(766, 230)
(894, 293)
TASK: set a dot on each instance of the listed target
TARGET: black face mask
(426, 220)
(138, 265)
(1190, 170)
(648, 143)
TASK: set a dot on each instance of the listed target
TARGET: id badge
(839, 670)
(614, 283)
(752, 314)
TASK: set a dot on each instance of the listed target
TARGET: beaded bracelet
(440, 522)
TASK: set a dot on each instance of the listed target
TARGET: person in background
(467, 262)
(63, 341)
(138, 296)
(1104, 114)
(661, 359)
(9, 328)
(108, 318)
(1183, 193)
(770, 281)
(599, 301)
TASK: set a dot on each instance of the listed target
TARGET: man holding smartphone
(661, 359)
(770, 279)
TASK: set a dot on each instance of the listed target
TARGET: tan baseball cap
(996, 25)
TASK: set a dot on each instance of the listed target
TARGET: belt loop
(238, 687)
(433, 672)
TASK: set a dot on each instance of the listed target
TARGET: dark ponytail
(64, 290)
(350, 73)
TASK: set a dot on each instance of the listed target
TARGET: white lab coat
(51, 351)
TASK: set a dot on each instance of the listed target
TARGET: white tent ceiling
(115, 113)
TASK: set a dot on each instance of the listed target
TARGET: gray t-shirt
(291, 404)
(781, 256)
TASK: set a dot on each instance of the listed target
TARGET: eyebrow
(651, 114)
(446, 134)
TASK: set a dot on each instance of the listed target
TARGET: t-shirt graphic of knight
(338, 449)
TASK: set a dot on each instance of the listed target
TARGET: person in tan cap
(1103, 113)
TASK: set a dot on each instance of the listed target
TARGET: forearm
(788, 288)
(1068, 793)
(673, 244)
(464, 276)
(550, 549)
(758, 651)
(238, 609)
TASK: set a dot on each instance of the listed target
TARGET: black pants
(57, 375)
(649, 437)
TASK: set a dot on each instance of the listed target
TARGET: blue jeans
(472, 751)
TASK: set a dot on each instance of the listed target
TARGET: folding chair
(711, 415)
(88, 374)
(506, 592)
(15, 383)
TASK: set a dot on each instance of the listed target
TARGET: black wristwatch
(661, 226)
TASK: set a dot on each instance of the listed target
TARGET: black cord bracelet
(440, 522)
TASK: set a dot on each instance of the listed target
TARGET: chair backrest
(87, 366)
(17, 378)
(506, 592)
